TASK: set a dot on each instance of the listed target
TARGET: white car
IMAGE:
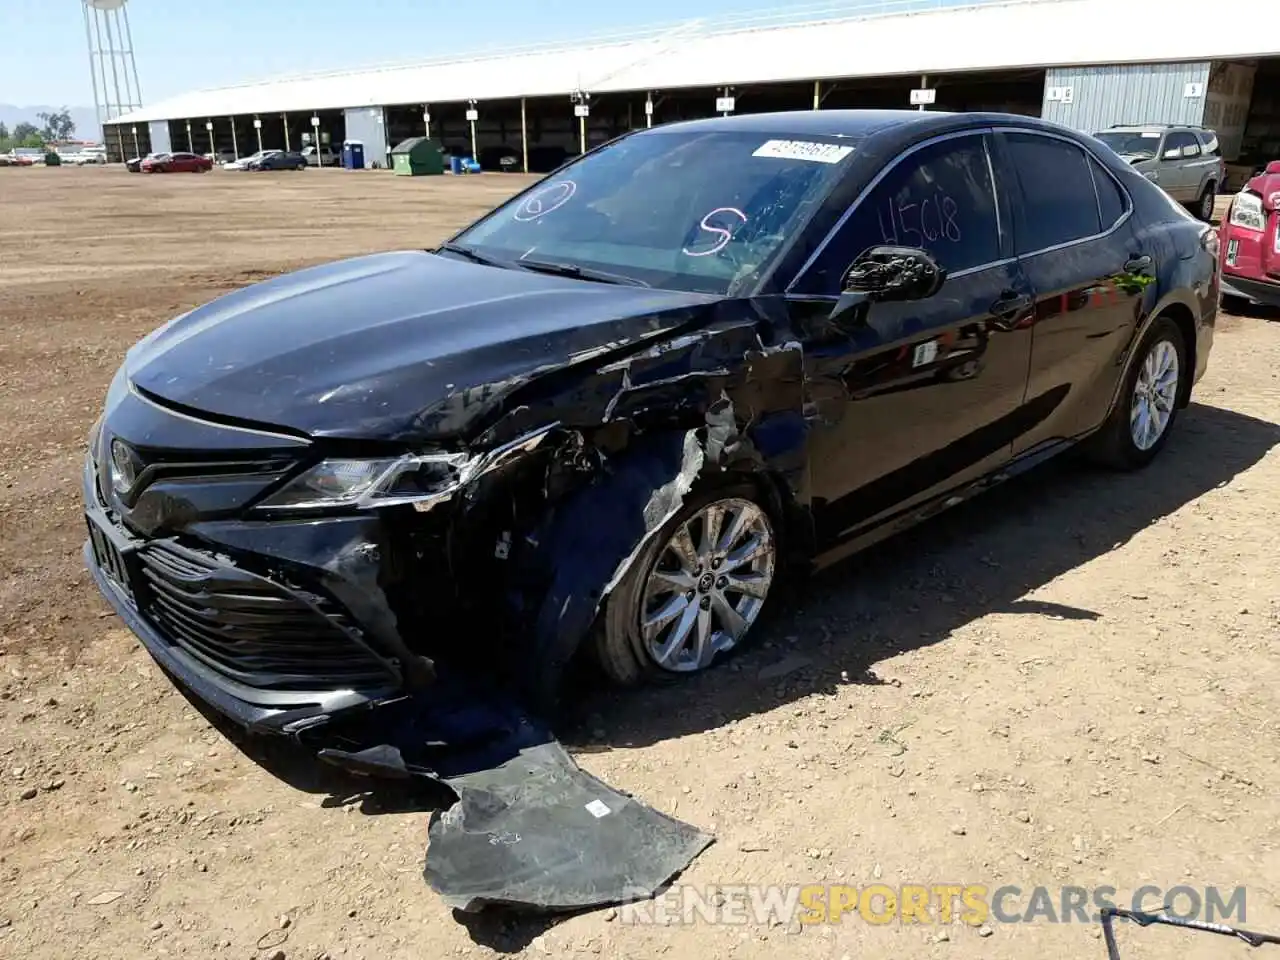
(86, 157)
(245, 163)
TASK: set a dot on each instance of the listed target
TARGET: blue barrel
(455, 164)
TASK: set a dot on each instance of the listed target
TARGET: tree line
(56, 126)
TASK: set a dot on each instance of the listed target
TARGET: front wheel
(1145, 412)
(694, 592)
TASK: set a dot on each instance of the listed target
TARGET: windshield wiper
(579, 273)
(472, 255)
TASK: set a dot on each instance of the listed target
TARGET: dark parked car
(177, 163)
(601, 420)
(278, 160)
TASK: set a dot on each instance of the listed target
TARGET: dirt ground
(1071, 682)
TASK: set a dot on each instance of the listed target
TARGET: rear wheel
(1204, 206)
(694, 592)
(1144, 415)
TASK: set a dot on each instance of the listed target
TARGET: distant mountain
(86, 118)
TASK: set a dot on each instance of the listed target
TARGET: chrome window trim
(833, 297)
(875, 182)
(1124, 218)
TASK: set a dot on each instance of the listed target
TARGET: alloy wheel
(707, 585)
(1155, 393)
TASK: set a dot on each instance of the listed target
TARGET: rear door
(912, 399)
(1077, 245)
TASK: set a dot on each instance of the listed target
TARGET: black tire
(1113, 445)
(618, 647)
(1205, 203)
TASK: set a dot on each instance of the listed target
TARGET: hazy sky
(181, 45)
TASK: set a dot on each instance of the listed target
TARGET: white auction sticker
(803, 150)
(598, 809)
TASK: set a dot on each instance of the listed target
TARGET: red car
(1251, 240)
(176, 163)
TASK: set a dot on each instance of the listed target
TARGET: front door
(910, 399)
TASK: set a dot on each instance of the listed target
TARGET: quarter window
(1059, 203)
(1112, 202)
(939, 197)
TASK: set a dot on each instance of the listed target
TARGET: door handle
(1006, 310)
(1010, 303)
(1137, 263)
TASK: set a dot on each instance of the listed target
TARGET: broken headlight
(370, 483)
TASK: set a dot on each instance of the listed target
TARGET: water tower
(115, 75)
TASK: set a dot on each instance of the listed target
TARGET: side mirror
(889, 274)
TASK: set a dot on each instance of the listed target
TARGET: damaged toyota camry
(603, 420)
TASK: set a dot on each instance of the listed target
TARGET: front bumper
(1255, 291)
(210, 625)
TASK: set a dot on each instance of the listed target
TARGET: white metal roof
(884, 38)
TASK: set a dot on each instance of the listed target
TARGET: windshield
(704, 211)
(1132, 143)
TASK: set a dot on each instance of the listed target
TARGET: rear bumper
(1255, 291)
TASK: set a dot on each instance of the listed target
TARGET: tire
(1115, 445)
(704, 598)
(1205, 204)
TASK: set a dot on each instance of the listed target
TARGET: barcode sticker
(803, 150)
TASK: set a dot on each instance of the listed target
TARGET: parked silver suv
(1185, 161)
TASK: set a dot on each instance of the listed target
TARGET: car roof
(891, 129)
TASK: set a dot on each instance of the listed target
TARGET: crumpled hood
(405, 346)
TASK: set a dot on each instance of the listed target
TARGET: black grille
(250, 629)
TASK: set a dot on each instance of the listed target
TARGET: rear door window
(1059, 202)
(1180, 146)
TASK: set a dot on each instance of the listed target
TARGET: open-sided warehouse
(1085, 63)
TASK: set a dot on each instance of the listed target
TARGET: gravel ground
(1070, 682)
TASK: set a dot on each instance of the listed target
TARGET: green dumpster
(417, 157)
(52, 159)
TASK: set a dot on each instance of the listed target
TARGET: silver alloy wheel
(1154, 394)
(707, 585)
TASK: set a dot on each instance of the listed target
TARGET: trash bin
(416, 157)
(353, 154)
(455, 164)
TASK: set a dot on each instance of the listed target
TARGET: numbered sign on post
(923, 97)
(581, 110)
(257, 124)
(315, 121)
(208, 124)
(724, 104)
(648, 108)
(473, 114)
(426, 116)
